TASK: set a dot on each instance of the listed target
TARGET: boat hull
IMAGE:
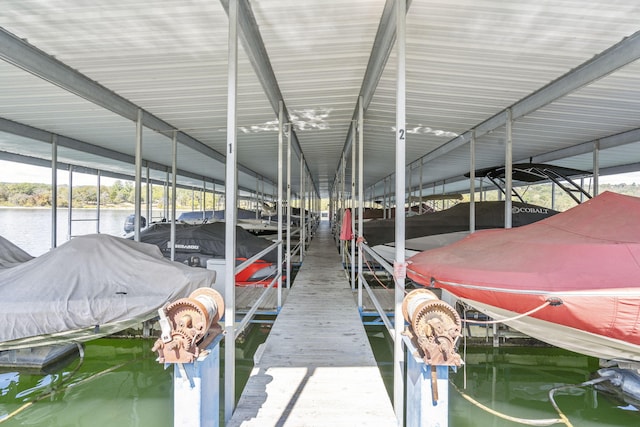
(585, 262)
(547, 326)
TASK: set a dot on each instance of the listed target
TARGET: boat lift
(430, 338)
(190, 339)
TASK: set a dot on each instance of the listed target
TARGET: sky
(17, 172)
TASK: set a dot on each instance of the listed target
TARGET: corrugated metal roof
(467, 61)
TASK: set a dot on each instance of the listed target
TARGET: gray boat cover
(11, 255)
(91, 286)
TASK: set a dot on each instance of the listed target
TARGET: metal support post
(257, 195)
(203, 202)
(384, 199)
(230, 217)
(596, 167)
(288, 252)
(279, 201)
(427, 394)
(508, 171)
(410, 186)
(54, 191)
(430, 352)
(195, 389)
(214, 197)
(472, 182)
(165, 208)
(70, 204)
(342, 203)
(190, 340)
(399, 264)
(149, 195)
(98, 204)
(137, 187)
(353, 206)
(174, 181)
(420, 209)
(301, 224)
(360, 191)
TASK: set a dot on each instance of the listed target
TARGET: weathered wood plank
(247, 296)
(386, 298)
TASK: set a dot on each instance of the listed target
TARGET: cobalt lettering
(517, 210)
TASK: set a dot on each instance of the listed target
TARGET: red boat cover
(589, 256)
(345, 232)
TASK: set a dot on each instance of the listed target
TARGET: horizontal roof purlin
(568, 72)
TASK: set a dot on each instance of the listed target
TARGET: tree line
(123, 194)
(85, 196)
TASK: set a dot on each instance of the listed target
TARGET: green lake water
(119, 383)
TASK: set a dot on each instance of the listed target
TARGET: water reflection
(120, 383)
(515, 382)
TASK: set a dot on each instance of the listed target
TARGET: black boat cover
(205, 240)
(488, 215)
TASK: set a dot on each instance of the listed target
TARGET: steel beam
(33, 60)
(622, 53)
(382, 47)
(587, 147)
(259, 59)
(41, 135)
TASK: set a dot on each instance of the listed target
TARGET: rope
(584, 384)
(509, 319)
(43, 396)
(61, 386)
(541, 422)
(373, 273)
(525, 421)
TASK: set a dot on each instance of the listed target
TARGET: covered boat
(575, 275)
(200, 244)
(455, 219)
(432, 229)
(89, 287)
(488, 214)
(11, 255)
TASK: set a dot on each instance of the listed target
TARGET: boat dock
(247, 296)
(317, 366)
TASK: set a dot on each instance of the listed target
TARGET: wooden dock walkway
(316, 367)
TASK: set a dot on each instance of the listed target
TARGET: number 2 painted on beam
(401, 132)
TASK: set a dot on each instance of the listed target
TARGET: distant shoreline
(123, 208)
